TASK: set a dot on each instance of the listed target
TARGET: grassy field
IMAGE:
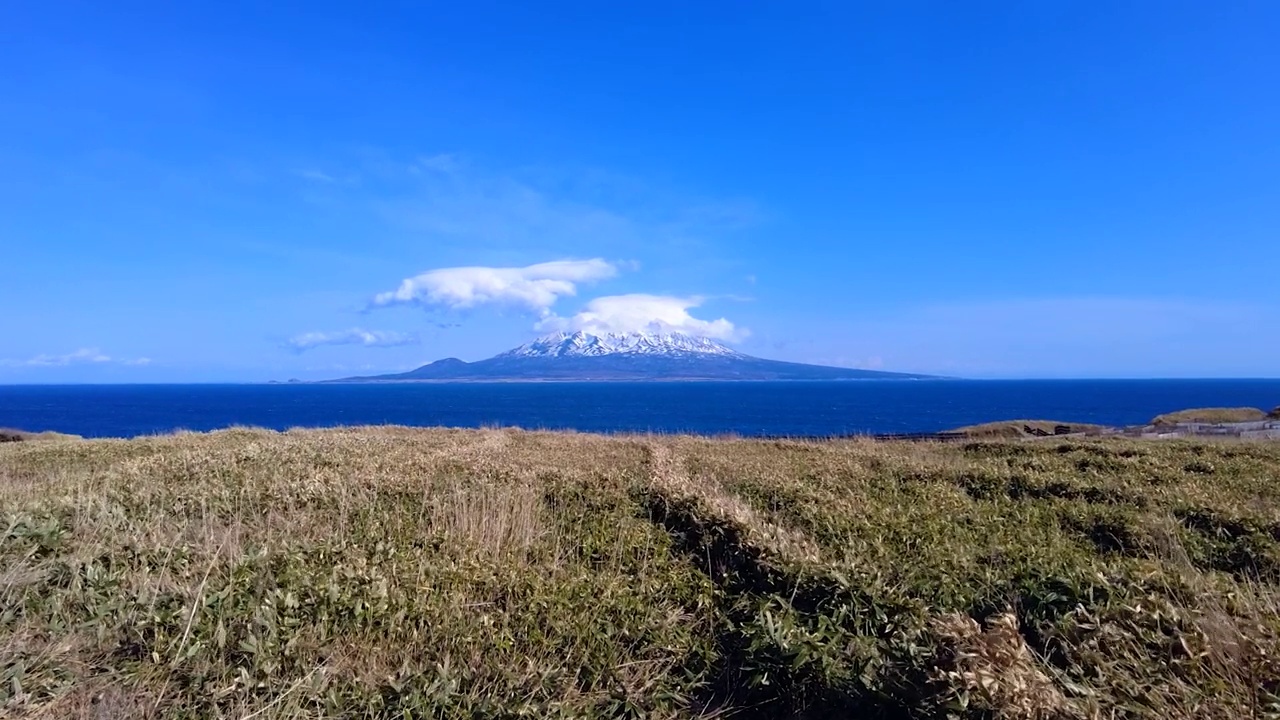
(1022, 429)
(1019, 429)
(1211, 415)
(397, 573)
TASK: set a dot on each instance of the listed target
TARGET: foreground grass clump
(1211, 415)
(459, 574)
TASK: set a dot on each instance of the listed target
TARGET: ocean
(807, 409)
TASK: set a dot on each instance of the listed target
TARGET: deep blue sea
(744, 408)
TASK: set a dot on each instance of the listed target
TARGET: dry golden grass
(388, 572)
(11, 435)
(1210, 415)
(994, 669)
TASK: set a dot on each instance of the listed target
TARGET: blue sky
(251, 191)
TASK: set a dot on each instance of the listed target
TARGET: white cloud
(644, 313)
(353, 336)
(83, 356)
(536, 287)
(79, 357)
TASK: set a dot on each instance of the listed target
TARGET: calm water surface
(746, 408)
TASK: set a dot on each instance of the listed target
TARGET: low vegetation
(1016, 429)
(1211, 415)
(11, 435)
(461, 574)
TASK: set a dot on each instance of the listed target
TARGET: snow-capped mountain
(584, 344)
(624, 357)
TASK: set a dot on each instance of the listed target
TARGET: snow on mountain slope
(629, 357)
(583, 344)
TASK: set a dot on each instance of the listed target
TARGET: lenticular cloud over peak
(641, 313)
(536, 287)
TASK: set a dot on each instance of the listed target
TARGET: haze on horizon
(202, 192)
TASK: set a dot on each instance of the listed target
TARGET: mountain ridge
(584, 344)
(634, 356)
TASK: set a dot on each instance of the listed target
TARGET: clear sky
(202, 191)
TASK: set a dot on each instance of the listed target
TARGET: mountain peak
(585, 344)
(630, 357)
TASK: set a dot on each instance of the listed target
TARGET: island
(635, 356)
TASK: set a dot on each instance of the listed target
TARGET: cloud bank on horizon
(83, 356)
(537, 288)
